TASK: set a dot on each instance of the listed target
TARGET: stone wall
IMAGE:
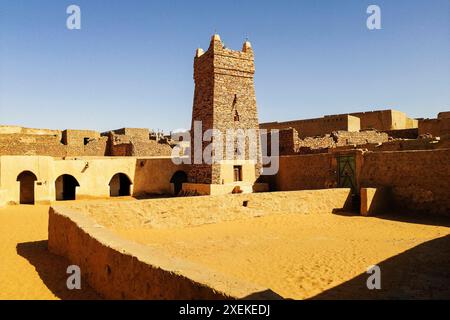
(291, 144)
(78, 137)
(26, 144)
(318, 126)
(136, 144)
(419, 180)
(73, 143)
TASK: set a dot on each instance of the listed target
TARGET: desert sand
(296, 255)
(317, 255)
(27, 269)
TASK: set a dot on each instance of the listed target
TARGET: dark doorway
(178, 179)
(119, 186)
(26, 179)
(65, 187)
(237, 173)
(346, 177)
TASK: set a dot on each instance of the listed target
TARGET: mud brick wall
(419, 180)
(385, 120)
(435, 127)
(306, 172)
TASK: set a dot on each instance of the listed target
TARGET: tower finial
(247, 46)
(215, 37)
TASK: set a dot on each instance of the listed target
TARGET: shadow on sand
(422, 272)
(52, 270)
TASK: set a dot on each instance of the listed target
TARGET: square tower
(224, 100)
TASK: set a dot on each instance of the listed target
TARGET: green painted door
(346, 178)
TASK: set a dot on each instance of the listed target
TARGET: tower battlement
(224, 60)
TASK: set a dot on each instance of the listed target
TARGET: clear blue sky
(131, 63)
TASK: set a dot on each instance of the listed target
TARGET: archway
(65, 187)
(119, 186)
(26, 179)
(178, 179)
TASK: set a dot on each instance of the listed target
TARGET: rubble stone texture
(224, 99)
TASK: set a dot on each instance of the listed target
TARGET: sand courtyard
(298, 255)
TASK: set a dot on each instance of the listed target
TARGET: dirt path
(27, 269)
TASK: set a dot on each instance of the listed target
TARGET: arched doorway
(178, 179)
(119, 186)
(65, 187)
(26, 180)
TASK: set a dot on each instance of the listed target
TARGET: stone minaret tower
(224, 98)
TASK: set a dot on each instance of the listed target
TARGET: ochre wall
(385, 120)
(152, 175)
(149, 176)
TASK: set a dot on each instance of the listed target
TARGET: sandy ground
(296, 255)
(27, 269)
(318, 255)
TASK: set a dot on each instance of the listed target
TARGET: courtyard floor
(322, 256)
(27, 269)
(297, 256)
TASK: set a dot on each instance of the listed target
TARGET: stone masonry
(224, 98)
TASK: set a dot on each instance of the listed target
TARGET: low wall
(120, 269)
(182, 212)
